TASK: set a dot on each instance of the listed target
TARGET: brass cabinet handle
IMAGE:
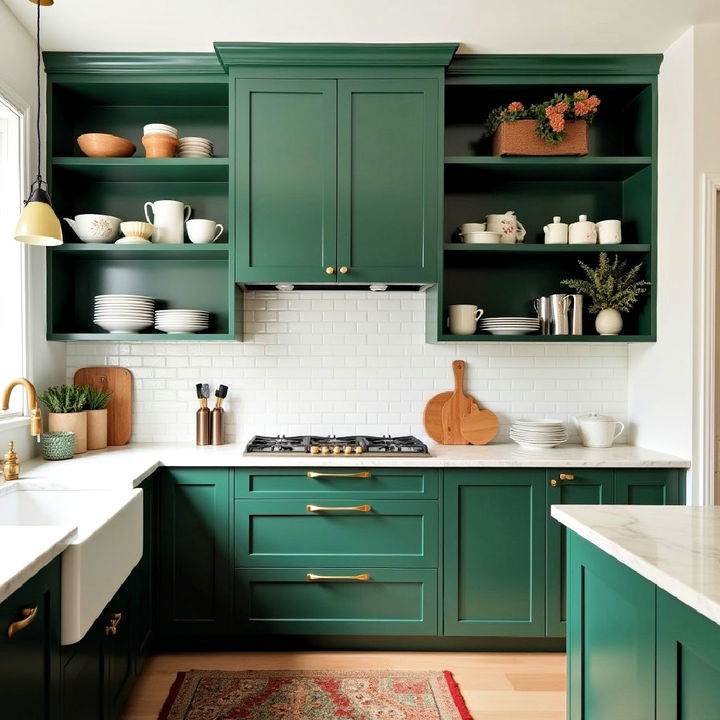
(364, 577)
(357, 474)
(112, 628)
(356, 508)
(29, 614)
(566, 476)
(330, 270)
(344, 270)
(553, 483)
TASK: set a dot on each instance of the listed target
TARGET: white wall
(349, 362)
(17, 79)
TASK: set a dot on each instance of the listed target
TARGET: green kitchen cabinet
(649, 486)
(336, 165)
(193, 590)
(494, 552)
(567, 486)
(30, 657)
(688, 662)
(610, 637)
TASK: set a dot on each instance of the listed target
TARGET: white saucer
(132, 240)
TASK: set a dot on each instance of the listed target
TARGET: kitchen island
(643, 612)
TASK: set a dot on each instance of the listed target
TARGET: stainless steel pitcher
(559, 307)
(542, 308)
(576, 314)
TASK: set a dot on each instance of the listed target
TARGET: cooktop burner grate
(332, 445)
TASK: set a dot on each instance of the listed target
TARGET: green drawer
(336, 481)
(284, 533)
(283, 601)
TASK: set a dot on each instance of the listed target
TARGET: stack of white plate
(160, 129)
(538, 434)
(124, 313)
(509, 325)
(195, 147)
(181, 321)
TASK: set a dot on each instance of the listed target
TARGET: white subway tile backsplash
(345, 362)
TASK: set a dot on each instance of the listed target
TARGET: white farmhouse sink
(107, 547)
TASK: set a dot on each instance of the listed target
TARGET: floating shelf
(547, 338)
(141, 169)
(186, 251)
(554, 168)
(524, 248)
(132, 337)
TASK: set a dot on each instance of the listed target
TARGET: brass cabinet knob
(330, 270)
(344, 270)
(553, 483)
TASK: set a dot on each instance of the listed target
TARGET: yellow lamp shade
(38, 224)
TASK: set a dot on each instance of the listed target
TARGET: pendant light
(38, 224)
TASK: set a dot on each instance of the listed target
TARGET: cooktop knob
(358, 450)
(314, 450)
(348, 450)
(337, 450)
(325, 450)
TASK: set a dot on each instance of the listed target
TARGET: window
(11, 252)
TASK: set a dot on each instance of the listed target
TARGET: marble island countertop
(675, 547)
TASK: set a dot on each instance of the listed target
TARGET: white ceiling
(491, 26)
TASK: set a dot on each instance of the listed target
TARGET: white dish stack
(538, 434)
(160, 129)
(195, 147)
(509, 325)
(124, 313)
(182, 321)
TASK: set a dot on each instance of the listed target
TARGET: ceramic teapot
(508, 225)
(598, 431)
(92, 228)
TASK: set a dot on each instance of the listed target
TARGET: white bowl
(481, 238)
(123, 326)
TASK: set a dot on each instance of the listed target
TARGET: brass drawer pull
(364, 577)
(29, 614)
(356, 508)
(562, 476)
(112, 628)
(321, 475)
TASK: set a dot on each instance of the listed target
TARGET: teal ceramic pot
(57, 445)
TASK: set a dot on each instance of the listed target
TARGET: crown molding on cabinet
(145, 63)
(336, 55)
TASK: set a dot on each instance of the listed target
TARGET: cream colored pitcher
(168, 221)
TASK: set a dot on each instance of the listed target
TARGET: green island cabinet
(30, 658)
(335, 161)
(634, 651)
(616, 180)
(119, 94)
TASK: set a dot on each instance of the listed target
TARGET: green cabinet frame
(494, 552)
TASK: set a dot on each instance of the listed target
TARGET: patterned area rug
(314, 695)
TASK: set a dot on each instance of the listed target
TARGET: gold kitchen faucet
(36, 426)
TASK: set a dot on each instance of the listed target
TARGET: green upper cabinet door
(567, 486)
(388, 180)
(494, 525)
(285, 179)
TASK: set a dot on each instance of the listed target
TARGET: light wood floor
(496, 686)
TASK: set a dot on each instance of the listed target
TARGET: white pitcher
(169, 219)
(598, 431)
(508, 225)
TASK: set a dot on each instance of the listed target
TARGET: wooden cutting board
(480, 426)
(432, 415)
(456, 408)
(119, 381)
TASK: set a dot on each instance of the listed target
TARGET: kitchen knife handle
(363, 577)
(29, 614)
(322, 475)
(356, 508)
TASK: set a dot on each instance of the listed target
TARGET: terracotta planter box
(519, 138)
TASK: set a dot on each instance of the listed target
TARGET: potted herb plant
(611, 290)
(554, 127)
(97, 418)
(66, 406)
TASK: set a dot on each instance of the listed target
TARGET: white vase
(608, 322)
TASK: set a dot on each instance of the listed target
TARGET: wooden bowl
(159, 145)
(104, 145)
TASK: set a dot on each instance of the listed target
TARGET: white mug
(203, 232)
(169, 216)
(511, 228)
(609, 232)
(462, 319)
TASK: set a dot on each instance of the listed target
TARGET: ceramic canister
(582, 232)
(609, 232)
(556, 232)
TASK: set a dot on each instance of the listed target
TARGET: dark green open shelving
(486, 337)
(523, 248)
(186, 251)
(141, 169)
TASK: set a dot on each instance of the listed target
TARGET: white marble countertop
(675, 547)
(127, 466)
(28, 549)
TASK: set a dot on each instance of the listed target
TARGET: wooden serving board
(456, 408)
(480, 426)
(119, 382)
(432, 416)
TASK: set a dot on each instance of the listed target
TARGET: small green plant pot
(57, 445)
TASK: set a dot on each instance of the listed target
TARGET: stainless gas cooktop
(331, 445)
